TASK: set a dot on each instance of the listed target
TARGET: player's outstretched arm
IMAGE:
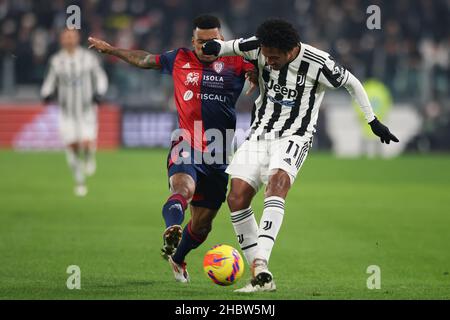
(246, 48)
(138, 58)
(356, 89)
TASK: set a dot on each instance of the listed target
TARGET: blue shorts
(211, 181)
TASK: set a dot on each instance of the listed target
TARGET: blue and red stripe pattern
(205, 93)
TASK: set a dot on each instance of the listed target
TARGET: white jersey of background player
(293, 77)
(76, 76)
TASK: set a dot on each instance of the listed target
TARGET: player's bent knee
(74, 146)
(184, 186)
(279, 184)
(237, 201)
(184, 191)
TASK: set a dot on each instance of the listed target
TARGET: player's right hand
(46, 100)
(211, 48)
(99, 45)
(97, 99)
(252, 77)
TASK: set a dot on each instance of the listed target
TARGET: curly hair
(278, 33)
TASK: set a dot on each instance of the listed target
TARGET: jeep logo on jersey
(285, 91)
(192, 78)
(218, 66)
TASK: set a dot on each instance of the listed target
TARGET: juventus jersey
(290, 98)
(76, 78)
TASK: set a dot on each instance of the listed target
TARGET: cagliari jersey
(290, 98)
(76, 78)
(205, 93)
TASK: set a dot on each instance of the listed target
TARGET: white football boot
(179, 271)
(171, 238)
(80, 190)
(262, 279)
(90, 167)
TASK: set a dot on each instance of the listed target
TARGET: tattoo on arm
(139, 58)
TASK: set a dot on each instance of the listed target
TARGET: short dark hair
(206, 21)
(278, 33)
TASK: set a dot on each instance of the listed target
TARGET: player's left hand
(382, 131)
(252, 77)
(211, 48)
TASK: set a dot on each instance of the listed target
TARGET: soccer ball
(223, 265)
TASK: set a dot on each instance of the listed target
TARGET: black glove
(97, 99)
(211, 47)
(382, 131)
(47, 99)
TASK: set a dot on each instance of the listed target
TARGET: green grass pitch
(341, 216)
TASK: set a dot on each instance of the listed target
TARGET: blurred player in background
(293, 77)
(206, 89)
(78, 79)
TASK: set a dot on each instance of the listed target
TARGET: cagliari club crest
(192, 78)
(218, 66)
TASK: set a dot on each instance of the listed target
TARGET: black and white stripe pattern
(282, 78)
(246, 229)
(270, 221)
(271, 203)
(76, 78)
(302, 155)
(266, 236)
(314, 57)
(306, 120)
(300, 87)
(241, 216)
(290, 98)
(260, 110)
(249, 246)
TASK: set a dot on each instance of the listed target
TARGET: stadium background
(409, 55)
(407, 196)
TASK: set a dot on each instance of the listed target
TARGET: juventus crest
(267, 225)
(301, 79)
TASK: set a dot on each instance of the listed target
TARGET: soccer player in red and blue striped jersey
(206, 89)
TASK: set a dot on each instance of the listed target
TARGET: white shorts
(77, 130)
(255, 161)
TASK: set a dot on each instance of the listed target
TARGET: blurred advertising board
(146, 128)
(34, 127)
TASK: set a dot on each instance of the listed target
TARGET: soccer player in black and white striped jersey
(79, 81)
(293, 77)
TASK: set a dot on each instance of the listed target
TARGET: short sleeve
(333, 74)
(167, 60)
